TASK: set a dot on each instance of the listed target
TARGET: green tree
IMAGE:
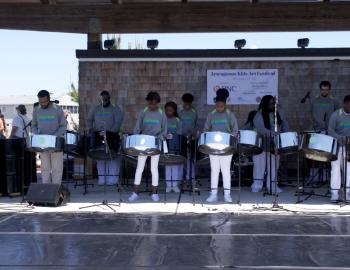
(74, 93)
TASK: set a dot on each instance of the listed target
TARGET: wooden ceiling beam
(177, 17)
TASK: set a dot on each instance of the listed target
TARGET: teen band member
(322, 107)
(223, 120)
(188, 116)
(173, 173)
(264, 123)
(339, 128)
(150, 121)
(105, 117)
(48, 119)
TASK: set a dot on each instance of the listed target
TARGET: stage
(175, 203)
(167, 241)
(175, 234)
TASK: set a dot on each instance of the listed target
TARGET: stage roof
(174, 16)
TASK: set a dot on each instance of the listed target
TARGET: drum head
(170, 159)
(218, 152)
(250, 150)
(99, 153)
(319, 155)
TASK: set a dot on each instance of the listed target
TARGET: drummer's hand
(169, 136)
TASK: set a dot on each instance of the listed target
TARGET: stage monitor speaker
(47, 195)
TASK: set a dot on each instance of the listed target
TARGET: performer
(223, 120)
(106, 117)
(264, 122)
(188, 116)
(150, 121)
(48, 119)
(173, 173)
(20, 123)
(322, 107)
(339, 128)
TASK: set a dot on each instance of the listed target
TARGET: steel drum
(99, 150)
(71, 140)
(250, 143)
(177, 150)
(217, 143)
(142, 145)
(320, 147)
(287, 143)
(44, 143)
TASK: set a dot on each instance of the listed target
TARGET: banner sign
(246, 86)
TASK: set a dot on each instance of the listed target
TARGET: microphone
(305, 98)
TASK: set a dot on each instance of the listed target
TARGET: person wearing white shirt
(20, 123)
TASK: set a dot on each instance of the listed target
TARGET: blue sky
(39, 60)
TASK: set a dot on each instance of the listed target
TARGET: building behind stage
(129, 75)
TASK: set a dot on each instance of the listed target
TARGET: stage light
(240, 43)
(152, 44)
(109, 43)
(303, 43)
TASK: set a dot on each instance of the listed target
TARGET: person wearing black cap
(223, 120)
(20, 123)
(106, 117)
(48, 119)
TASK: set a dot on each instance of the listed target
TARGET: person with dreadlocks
(264, 122)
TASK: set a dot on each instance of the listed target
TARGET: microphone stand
(275, 203)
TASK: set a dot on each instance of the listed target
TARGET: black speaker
(47, 195)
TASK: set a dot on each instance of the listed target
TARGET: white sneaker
(133, 197)
(213, 197)
(334, 197)
(176, 189)
(155, 197)
(168, 189)
(228, 198)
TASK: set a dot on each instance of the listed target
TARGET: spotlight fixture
(109, 43)
(240, 43)
(152, 44)
(303, 43)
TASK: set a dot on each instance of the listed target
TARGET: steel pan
(320, 147)
(250, 143)
(99, 150)
(177, 148)
(44, 143)
(142, 145)
(71, 140)
(217, 143)
(287, 143)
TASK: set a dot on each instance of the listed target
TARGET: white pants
(261, 162)
(51, 167)
(188, 168)
(337, 167)
(112, 171)
(222, 163)
(173, 174)
(141, 160)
